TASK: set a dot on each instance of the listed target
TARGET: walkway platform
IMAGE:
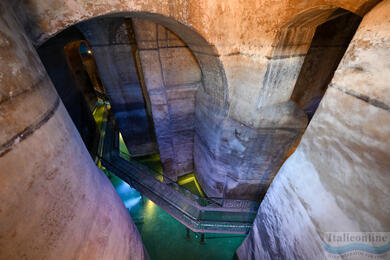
(205, 215)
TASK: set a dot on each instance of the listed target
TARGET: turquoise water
(166, 238)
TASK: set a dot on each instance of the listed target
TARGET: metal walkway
(199, 214)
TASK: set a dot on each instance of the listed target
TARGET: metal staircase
(199, 214)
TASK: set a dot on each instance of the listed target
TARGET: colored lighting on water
(150, 208)
(190, 179)
(129, 204)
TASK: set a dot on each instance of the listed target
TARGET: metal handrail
(197, 213)
(169, 181)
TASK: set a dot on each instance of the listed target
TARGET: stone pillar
(55, 203)
(172, 77)
(338, 178)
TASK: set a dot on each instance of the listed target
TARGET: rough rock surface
(338, 178)
(241, 34)
(172, 77)
(226, 152)
(241, 53)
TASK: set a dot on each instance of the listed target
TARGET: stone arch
(213, 74)
(211, 95)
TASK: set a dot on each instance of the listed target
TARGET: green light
(122, 145)
(188, 178)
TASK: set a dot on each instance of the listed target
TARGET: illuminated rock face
(55, 203)
(243, 159)
(245, 123)
(231, 159)
(234, 123)
(337, 179)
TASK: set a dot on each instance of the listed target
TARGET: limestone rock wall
(231, 159)
(337, 180)
(241, 33)
(249, 60)
(55, 203)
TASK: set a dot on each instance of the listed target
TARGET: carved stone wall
(172, 77)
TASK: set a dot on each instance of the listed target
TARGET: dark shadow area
(330, 41)
(72, 82)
